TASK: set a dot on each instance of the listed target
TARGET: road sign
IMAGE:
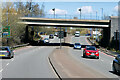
(6, 31)
(61, 34)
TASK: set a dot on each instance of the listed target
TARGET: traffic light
(32, 32)
(60, 34)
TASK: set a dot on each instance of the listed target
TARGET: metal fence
(67, 16)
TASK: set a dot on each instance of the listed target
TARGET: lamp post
(96, 28)
(80, 12)
(102, 13)
(54, 11)
(96, 15)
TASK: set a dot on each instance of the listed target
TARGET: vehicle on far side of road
(40, 41)
(6, 52)
(91, 51)
(77, 33)
(116, 65)
(88, 35)
(77, 46)
(51, 36)
(56, 34)
(46, 40)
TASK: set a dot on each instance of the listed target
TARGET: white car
(77, 34)
(46, 40)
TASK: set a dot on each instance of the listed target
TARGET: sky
(69, 8)
(63, 0)
(88, 9)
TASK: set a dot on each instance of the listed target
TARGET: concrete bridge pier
(26, 34)
(106, 37)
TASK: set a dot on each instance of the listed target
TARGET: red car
(91, 51)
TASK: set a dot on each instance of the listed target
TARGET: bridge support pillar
(106, 37)
(26, 35)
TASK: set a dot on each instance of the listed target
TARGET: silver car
(6, 52)
(46, 40)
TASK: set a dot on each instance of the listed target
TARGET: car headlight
(87, 52)
(97, 53)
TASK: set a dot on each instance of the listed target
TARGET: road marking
(1, 70)
(7, 64)
(12, 59)
(106, 54)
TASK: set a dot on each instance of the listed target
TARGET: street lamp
(96, 15)
(54, 11)
(102, 13)
(80, 12)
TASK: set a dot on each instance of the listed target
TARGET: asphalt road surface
(29, 62)
(32, 61)
(102, 65)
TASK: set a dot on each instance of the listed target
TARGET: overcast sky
(62, 0)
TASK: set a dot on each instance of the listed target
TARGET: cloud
(58, 11)
(116, 8)
(85, 9)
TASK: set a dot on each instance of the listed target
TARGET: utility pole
(7, 21)
(96, 28)
(60, 38)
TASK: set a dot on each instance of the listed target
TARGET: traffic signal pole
(60, 38)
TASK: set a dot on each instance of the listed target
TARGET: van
(77, 33)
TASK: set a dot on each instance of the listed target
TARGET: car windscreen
(77, 43)
(3, 49)
(46, 39)
(91, 48)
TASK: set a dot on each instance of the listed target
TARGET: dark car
(116, 64)
(91, 51)
(88, 35)
(51, 36)
(6, 52)
(40, 41)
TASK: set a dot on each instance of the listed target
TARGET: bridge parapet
(65, 22)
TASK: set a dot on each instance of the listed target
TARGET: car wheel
(84, 56)
(114, 69)
(97, 57)
(10, 57)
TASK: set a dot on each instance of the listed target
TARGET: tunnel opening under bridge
(104, 41)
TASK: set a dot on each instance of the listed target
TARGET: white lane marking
(7, 64)
(12, 59)
(1, 70)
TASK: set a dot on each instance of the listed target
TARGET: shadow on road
(88, 57)
(118, 74)
(4, 58)
(57, 44)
